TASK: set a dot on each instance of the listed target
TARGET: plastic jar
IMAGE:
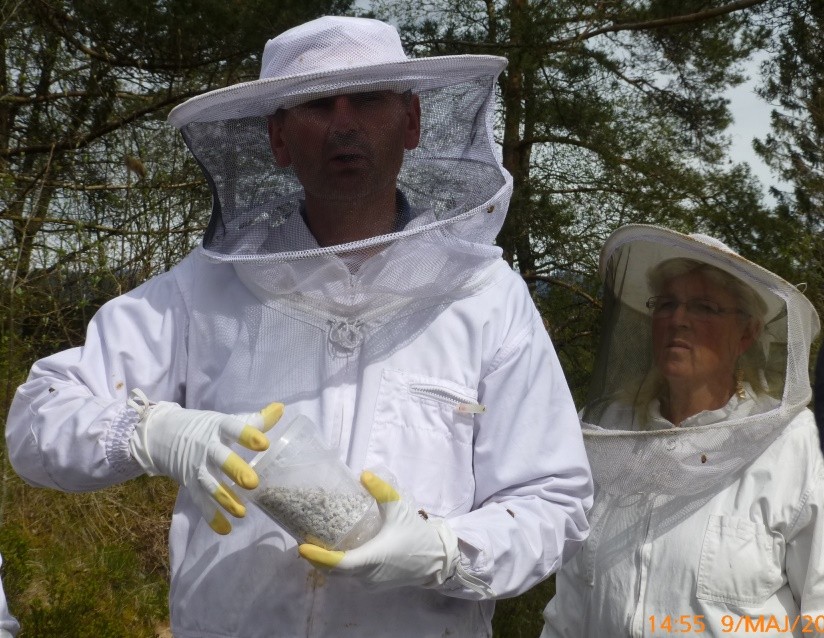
(310, 492)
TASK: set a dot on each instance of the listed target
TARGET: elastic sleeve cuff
(117, 444)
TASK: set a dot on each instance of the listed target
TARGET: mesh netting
(452, 176)
(628, 450)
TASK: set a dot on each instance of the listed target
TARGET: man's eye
(368, 97)
(319, 104)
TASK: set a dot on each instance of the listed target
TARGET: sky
(751, 119)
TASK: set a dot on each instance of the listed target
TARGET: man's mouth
(348, 157)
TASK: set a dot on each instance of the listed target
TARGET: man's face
(346, 147)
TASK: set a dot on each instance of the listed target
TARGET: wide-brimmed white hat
(329, 56)
(655, 245)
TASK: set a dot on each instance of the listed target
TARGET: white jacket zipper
(462, 403)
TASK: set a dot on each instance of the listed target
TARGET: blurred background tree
(793, 81)
(612, 112)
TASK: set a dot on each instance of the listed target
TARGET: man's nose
(344, 114)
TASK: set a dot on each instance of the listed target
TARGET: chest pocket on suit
(740, 562)
(423, 431)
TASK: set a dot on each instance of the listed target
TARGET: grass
(522, 616)
(79, 565)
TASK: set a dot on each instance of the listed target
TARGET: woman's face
(694, 348)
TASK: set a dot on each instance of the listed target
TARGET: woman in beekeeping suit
(710, 481)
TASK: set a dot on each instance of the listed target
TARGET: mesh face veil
(434, 231)
(630, 446)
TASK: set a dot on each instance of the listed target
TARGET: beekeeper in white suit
(709, 478)
(347, 272)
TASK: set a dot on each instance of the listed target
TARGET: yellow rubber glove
(192, 447)
(408, 549)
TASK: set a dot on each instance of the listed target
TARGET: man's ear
(276, 143)
(412, 135)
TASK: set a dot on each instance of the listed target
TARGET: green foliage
(793, 81)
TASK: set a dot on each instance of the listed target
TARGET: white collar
(735, 408)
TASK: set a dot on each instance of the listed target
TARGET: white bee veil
(626, 456)
(452, 188)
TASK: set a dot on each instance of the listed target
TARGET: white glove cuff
(138, 443)
(453, 571)
(452, 555)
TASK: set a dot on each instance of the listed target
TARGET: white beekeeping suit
(410, 343)
(714, 525)
(9, 627)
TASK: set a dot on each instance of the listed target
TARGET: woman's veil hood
(627, 458)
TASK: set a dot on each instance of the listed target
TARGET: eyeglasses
(663, 306)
